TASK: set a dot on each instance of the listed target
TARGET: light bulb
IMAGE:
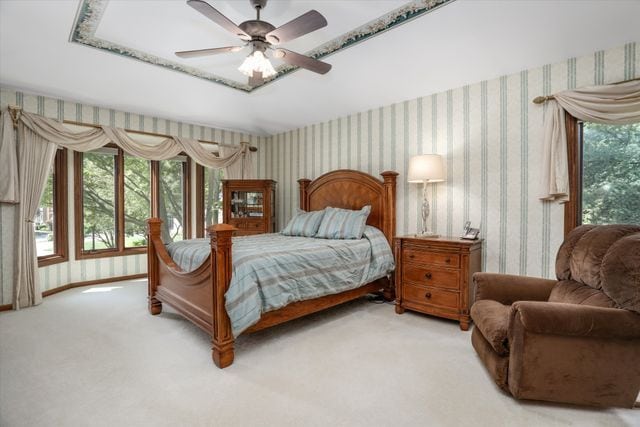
(257, 62)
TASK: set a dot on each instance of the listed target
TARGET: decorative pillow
(343, 223)
(304, 224)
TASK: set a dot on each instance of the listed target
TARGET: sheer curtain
(609, 104)
(27, 156)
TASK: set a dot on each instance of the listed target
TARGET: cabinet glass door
(246, 204)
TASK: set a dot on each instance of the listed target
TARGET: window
(610, 173)
(173, 198)
(115, 196)
(51, 218)
(99, 182)
(209, 190)
(604, 173)
(137, 201)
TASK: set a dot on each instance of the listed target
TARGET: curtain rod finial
(14, 112)
(541, 99)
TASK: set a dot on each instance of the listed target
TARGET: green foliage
(98, 174)
(99, 199)
(213, 196)
(611, 174)
(137, 196)
(47, 196)
(171, 201)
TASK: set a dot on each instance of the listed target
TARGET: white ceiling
(463, 42)
(142, 25)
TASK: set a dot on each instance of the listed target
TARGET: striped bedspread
(272, 270)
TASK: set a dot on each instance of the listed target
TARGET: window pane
(212, 197)
(45, 220)
(137, 202)
(98, 196)
(172, 200)
(611, 174)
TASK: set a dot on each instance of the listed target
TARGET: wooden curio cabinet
(249, 205)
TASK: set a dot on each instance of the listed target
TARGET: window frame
(200, 207)
(120, 249)
(186, 190)
(60, 212)
(573, 208)
(575, 155)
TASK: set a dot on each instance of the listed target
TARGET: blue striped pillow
(304, 224)
(343, 223)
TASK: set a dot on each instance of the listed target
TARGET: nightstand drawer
(427, 276)
(435, 258)
(430, 296)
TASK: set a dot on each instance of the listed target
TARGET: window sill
(44, 261)
(111, 253)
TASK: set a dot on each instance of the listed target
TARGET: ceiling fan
(262, 36)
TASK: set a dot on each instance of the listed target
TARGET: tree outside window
(611, 174)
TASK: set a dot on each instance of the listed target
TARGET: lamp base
(426, 234)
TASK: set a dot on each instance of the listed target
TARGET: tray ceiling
(463, 42)
(151, 31)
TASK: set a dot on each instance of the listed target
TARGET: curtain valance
(55, 132)
(614, 104)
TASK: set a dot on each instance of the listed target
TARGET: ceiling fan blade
(302, 61)
(210, 12)
(256, 79)
(205, 52)
(303, 24)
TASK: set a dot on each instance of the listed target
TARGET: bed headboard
(349, 189)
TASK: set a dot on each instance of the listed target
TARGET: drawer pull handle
(427, 276)
(448, 260)
(412, 256)
(427, 295)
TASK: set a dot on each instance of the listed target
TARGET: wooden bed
(200, 295)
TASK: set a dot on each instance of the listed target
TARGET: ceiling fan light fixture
(256, 61)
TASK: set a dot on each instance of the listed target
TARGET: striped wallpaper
(490, 133)
(75, 271)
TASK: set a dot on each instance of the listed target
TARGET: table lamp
(427, 169)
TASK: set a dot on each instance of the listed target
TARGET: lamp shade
(426, 167)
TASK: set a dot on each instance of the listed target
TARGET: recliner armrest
(506, 288)
(555, 318)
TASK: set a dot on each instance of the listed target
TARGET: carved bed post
(304, 200)
(221, 271)
(153, 234)
(389, 224)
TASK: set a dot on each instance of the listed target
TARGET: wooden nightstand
(433, 276)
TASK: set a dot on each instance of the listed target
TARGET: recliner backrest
(604, 257)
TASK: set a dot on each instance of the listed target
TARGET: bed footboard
(197, 295)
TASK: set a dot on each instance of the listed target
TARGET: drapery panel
(9, 186)
(35, 158)
(26, 159)
(614, 104)
(242, 169)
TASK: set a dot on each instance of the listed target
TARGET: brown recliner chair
(575, 339)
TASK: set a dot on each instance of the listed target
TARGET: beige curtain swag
(615, 104)
(27, 156)
(242, 169)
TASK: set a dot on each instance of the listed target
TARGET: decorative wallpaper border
(90, 13)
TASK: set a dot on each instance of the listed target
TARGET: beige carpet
(94, 356)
